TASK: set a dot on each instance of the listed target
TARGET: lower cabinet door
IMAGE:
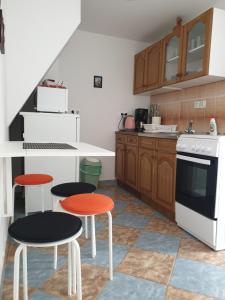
(146, 170)
(120, 166)
(165, 178)
(131, 161)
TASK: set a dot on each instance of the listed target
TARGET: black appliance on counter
(141, 117)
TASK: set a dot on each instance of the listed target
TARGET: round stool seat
(72, 188)
(33, 179)
(87, 204)
(45, 227)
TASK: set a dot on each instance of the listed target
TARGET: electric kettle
(129, 123)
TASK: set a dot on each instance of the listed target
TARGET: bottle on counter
(212, 126)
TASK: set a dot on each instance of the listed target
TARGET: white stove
(200, 188)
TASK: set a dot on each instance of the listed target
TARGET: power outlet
(200, 104)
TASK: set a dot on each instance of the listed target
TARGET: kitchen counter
(173, 136)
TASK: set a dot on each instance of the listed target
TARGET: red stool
(90, 205)
(32, 180)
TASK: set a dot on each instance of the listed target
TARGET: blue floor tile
(199, 277)
(120, 205)
(105, 191)
(155, 241)
(39, 267)
(102, 257)
(159, 215)
(127, 287)
(43, 296)
(109, 182)
(131, 220)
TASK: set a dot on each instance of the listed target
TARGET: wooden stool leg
(110, 246)
(93, 239)
(78, 270)
(16, 272)
(25, 288)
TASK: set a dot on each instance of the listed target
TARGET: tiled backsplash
(178, 107)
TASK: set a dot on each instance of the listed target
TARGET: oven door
(196, 183)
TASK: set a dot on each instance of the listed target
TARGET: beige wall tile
(178, 107)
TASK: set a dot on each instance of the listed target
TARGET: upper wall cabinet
(147, 66)
(171, 55)
(193, 54)
(196, 49)
(139, 74)
(153, 66)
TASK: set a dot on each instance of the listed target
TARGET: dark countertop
(173, 136)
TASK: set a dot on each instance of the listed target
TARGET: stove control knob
(193, 147)
(181, 146)
(207, 149)
(197, 148)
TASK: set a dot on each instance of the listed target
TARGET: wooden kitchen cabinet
(172, 55)
(139, 73)
(193, 54)
(165, 175)
(146, 172)
(126, 159)
(131, 161)
(196, 46)
(153, 66)
(120, 160)
(148, 165)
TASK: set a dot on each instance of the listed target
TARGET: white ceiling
(141, 20)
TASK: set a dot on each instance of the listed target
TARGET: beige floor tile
(7, 293)
(178, 294)
(148, 265)
(125, 196)
(121, 235)
(10, 251)
(104, 217)
(165, 226)
(93, 280)
(139, 209)
(196, 250)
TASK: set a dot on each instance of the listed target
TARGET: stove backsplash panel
(178, 107)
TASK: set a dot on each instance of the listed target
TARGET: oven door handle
(194, 159)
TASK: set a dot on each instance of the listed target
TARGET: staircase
(36, 32)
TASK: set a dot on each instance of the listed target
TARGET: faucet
(190, 129)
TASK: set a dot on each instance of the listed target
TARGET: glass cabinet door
(195, 49)
(172, 51)
(197, 46)
(172, 57)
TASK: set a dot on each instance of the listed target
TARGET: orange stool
(86, 205)
(32, 180)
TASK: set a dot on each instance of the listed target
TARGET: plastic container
(212, 127)
(90, 170)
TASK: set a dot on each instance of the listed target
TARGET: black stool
(68, 189)
(48, 229)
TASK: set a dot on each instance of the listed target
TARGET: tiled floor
(153, 260)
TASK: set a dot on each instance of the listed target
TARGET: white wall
(3, 136)
(88, 54)
(36, 32)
